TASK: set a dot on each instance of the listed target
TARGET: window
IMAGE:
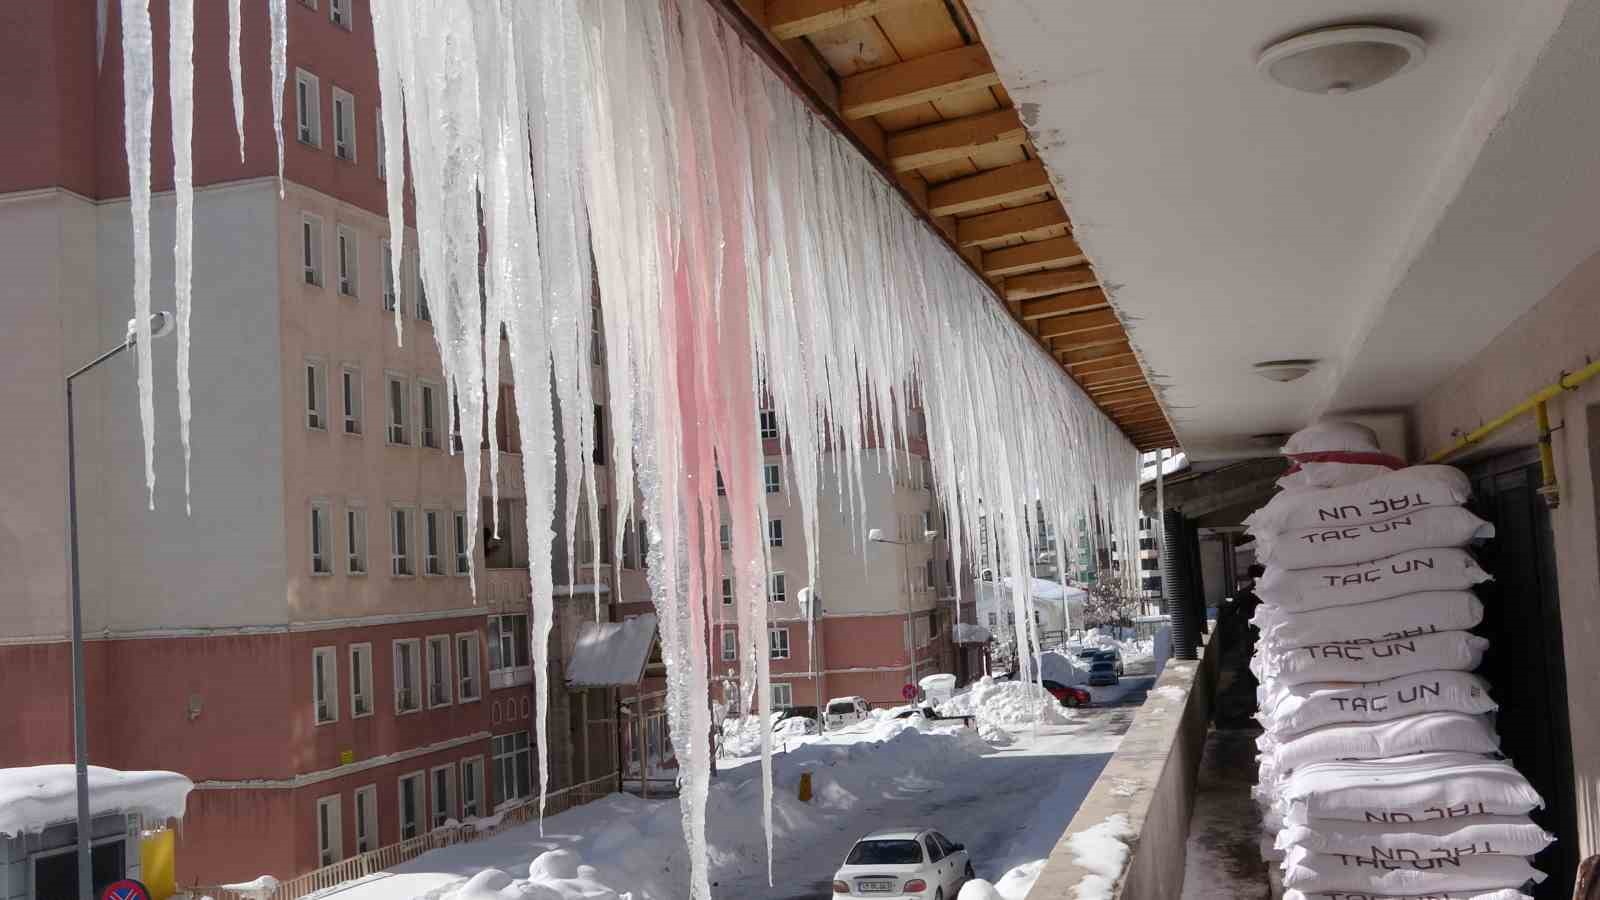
(775, 533)
(339, 13)
(927, 521)
(439, 692)
(407, 675)
(308, 111)
(321, 561)
(355, 535)
(410, 805)
(508, 651)
(994, 620)
(350, 394)
(730, 640)
(360, 680)
(432, 542)
(513, 777)
(386, 258)
(467, 666)
(727, 592)
(382, 145)
(311, 248)
(346, 243)
(400, 542)
(725, 535)
(778, 642)
(366, 818)
(776, 592)
(430, 415)
(599, 435)
(316, 396)
(423, 313)
(782, 695)
(597, 345)
(325, 683)
(443, 791)
(455, 424)
(772, 474)
(630, 545)
(472, 787)
(722, 489)
(769, 422)
(399, 410)
(344, 122)
(328, 831)
(463, 559)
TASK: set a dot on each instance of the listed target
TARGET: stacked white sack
(1377, 769)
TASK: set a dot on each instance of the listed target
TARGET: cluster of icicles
(742, 250)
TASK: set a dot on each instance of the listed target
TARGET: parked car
(904, 863)
(795, 712)
(1067, 695)
(1102, 672)
(1115, 655)
(844, 711)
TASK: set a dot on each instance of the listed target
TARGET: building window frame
(727, 591)
(774, 532)
(355, 538)
(777, 587)
(778, 642)
(350, 400)
(397, 409)
(438, 813)
(316, 394)
(782, 694)
(767, 415)
(330, 831)
(360, 680)
(513, 770)
(348, 258)
(408, 830)
(307, 108)
(772, 477)
(471, 787)
(432, 543)
(364, 803)
(463, 557)
(386, 259)
(509, 663)
(429, 420)
(324, 685)
(469, 668)
(439, 671)
(730, 644)
(320, 535)
(407, 699)
(402, 541)
(339, 13)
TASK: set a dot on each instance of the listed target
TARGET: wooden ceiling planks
(912, 84)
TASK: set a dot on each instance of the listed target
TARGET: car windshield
(841, 707)
(885, 853)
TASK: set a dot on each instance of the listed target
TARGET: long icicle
(138, 92)
(181, 93)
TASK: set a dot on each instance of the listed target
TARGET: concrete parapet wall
(1150, 783)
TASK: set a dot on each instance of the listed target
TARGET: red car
(1067, 695)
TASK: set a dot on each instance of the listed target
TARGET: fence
(386, 857)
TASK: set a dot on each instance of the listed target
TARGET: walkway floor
(1224, 853)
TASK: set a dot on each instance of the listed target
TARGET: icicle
(236, 71)
(280, 74)
(390, 33)
(99, 34)
(181, 93)
(138, 91)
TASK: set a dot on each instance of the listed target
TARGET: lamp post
(876, 536)
(160, 326)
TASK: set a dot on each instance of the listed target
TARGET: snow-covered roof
(968, 633)
(33, 798)
(1044, 589)
(611, 654)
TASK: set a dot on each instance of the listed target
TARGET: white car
(902, 864)
(842, 711)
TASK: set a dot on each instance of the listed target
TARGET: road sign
(909, 692)
(125, 889)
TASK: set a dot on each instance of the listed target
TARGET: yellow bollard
(157, 853)
(805, 787)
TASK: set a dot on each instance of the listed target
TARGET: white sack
(1435, 526)
(1469, 835)
(1374, 500)
(1411, 572)
(1380, 620)
(1302, 707)
(1316, 873)
(1501, 894)
(1381, 661)
(1324, 437)
(1421, 788)
(1311, 476)
(1427, 733)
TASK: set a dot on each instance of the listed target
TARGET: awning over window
(611, 654)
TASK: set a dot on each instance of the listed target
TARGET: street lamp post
(160, 326)
(876, 536)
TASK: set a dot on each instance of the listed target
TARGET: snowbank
(1005, 704)
(33, 798)
(553, 875)
(1101, 850)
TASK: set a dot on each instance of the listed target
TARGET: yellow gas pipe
(1567, 382)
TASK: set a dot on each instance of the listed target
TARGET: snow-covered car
(1114, 654)
(904, 864)
(842, 711)
(1067, 695)
(1102, 672)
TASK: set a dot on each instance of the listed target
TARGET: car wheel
(1071, 702)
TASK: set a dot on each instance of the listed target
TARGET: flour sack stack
(1379, 768)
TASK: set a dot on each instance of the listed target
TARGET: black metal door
(1525, 666)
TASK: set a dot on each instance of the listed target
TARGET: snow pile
(33, 798)
(1063, 667)
(1102, 850)
(1005, 704)
(261, 887)
(553, 875)
(978, 889)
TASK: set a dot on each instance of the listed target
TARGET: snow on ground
(33, 798)
(1007, 804)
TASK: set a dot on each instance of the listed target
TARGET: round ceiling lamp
(1342, 59)
(1284, 369)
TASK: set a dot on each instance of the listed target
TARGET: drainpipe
(1175, 586)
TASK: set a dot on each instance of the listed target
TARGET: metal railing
(373, 861)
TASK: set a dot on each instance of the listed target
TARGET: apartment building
(302, 642)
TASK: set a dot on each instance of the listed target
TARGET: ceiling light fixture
(1340, 60)
(1284, 369)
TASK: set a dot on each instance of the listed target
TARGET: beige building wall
(1561, 333)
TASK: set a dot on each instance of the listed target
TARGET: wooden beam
(1060, 326)
(1063, 345)
(1097, 386)
(1115, 348)
(1063, 304)
(944, 142)
(914, 81)
(1123, 396)
(1051, 253)
(797, 18)
(1055, 281)
(1010, 223)
(1018, 181)
(1110, 361)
